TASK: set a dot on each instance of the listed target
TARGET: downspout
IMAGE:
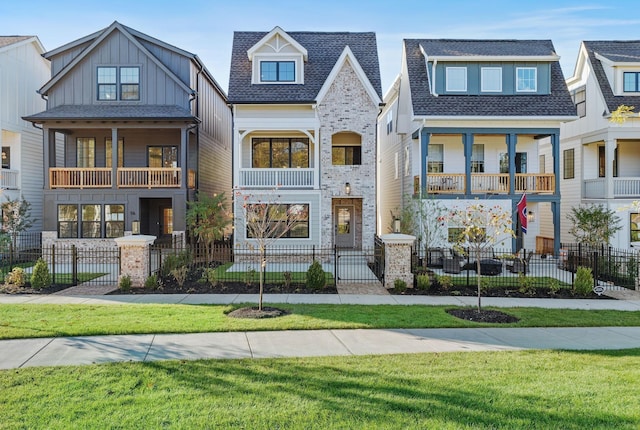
(194, 97)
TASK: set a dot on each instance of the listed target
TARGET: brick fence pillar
(134, 258)
(397, 258)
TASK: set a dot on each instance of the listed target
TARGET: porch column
(114, 158)
(316, 157)
(46, 134)
(555, 150)
(512, 139)
(183, 158)
(467, 142)
(610, 154)
(397, 258)
(425, 137)
(134, 258)
(555, 212)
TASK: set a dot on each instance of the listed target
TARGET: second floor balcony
(9, 179)
(622, 188)
(481, 183)
(281, 178)
(126, 177)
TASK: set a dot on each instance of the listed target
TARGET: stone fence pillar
(397, 258)
(134, 258)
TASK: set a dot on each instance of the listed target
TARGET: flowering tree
(480, 227)
(267, 219)
(208, 218)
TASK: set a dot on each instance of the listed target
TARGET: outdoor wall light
(396, 225)
(135, 226)
(347, 188)
(531, 217)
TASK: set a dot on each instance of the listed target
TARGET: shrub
(445, 281)
(209, 276)
(315, 276)
(40, 278)
(486, 284)
(583, 284)
(526, 284)
(400, 286)
(287, 279)
(173, 261)
(180, 275)
(423, 282)
(125, 283)
(151, 281)
(250, 276)
(554, 286)
(15, 277)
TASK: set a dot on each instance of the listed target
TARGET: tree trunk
(263, 264)
(479, 281)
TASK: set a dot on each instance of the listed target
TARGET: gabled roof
(556, 104)
(7, 41)
(281, 34)
(324, 49)
(615, 51)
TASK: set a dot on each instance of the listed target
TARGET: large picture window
(277, 71)
(346, 155)
(280, 153)
(163, 156)
(279, 216)
(90, 221)
(118, 83)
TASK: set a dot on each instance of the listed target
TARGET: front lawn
(497, 390)
(31, 320)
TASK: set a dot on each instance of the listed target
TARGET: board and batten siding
(390, 194)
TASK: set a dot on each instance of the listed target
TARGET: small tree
(16, 218)
(593, 224)
(267, 219)
(622, 113)
(208, 219)
(480, 227)
(424, 219)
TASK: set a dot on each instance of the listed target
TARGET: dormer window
(277, 71)
(631, 82)
(526, 79)
(118, 83)
(457, 79)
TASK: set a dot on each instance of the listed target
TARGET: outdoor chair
(520, 265)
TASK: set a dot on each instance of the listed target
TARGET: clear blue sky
(205, 27)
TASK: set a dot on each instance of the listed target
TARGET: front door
(345, 232)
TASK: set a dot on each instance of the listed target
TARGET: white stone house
(305, 106)
(601, 159)
(465, 121)
(22, 71)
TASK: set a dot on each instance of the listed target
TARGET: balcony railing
(454, 183)
(622, 188)
(9, 179)
(283, 178)
(128, 177)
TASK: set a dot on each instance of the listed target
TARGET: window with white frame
(277, 71)
(526, 79)
(435, 161)
(631, 82)
(407, 169)
(491, 80)
(477, 158)
(456, 79)
(118, 83)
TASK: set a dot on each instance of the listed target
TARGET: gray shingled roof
(558, 103)
(10, 40)
(323, 50)
(614, 50)
(113, 112)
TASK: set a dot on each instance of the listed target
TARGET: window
(526, 79)
(634, 227)
(602, 164)
(477, 158)
(407, 169)
(579, 97)
(346, 156)
(67, 221)
(162, 156)
(542, 164)
(280, 153)
(491, 81)
(456, 79)
(6, 157)
(91, 221)
(568, 160)
(631, 82)
(277, 71)
(124, 85)
(435, 160)
(389, 121)
(521, 162)
(108, 152)
(296, 216)
(113, 220)
(86, 152)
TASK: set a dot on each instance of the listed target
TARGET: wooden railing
(80, 177)
(149, 177)
(454, 183)
(535, 183)
(128, 177)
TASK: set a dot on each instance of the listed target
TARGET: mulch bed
(255, 313)
(484, 316)
(26, 289)
(228, 288)
(538, 292)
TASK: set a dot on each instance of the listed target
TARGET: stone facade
(397, 259)
(347, 107)
(134, 261)
(84, 247)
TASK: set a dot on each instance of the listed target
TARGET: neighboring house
(465, 120)
(145, 125)
(22, 71)
(305, 108)
(601, 159)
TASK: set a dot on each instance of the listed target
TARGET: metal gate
(359, 265)
(83, 266)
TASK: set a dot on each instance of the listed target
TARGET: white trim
(347, 56)
(32, 39)
(447, 80)
(534, 90)
(479, 58)
(482, 80)
(277, 31)
(493, 118)
(259, 58)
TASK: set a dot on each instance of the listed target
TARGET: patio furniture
(452, 265)
(520, 265)
(489, 266)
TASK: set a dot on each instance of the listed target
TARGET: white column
(610, 148)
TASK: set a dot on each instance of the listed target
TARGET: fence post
(397, 259)
(74, 265)
(335, 264)
(53, 263)
(134, 257)
(596, 272)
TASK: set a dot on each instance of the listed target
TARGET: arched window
(346, 149)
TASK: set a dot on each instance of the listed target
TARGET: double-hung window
(631, 82)
(85, 152)
(526, 79)
(477, 158)
(118, 83)
(568, 159)
(579, 97)
(491, 80)
(67, 221)
(435, 160)
(456, 79)
(277, 71)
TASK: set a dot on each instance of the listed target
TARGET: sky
(205, 27)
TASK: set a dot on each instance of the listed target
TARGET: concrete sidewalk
(144, 348)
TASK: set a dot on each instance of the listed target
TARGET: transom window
(491, 80)
(91, 221)
(279, 216)
(118, 83)
(526, 79)
(277, 71)
(280, 153)
(631, 82)
(435, 160)
(456, 79)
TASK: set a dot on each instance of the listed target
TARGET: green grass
(31, 320)
(223, 275)
(67, 278)
(506, 281)
(497, 390)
